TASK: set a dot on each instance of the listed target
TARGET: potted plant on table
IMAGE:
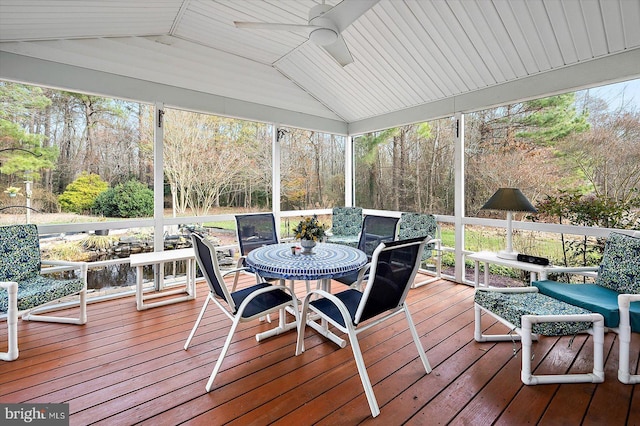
(309, 231)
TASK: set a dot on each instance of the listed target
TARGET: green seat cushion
(634, 316)
(620, 266)
(512, 306)
(592, 297)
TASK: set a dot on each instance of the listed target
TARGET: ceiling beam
(24, 69)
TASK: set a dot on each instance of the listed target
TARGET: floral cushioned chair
(346, 224)
(27, 290)
(615, 294)
(414, 225)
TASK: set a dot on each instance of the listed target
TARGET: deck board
(128, 367)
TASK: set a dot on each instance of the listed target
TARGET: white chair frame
(438, 262)
(237, 318)
(35, 313)
(624, 335)
(526, 336)
(12, 321)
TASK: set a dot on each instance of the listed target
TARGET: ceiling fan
(324, 27)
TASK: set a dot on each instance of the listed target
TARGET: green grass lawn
(530, 242)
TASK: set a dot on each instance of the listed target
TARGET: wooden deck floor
(128, 367)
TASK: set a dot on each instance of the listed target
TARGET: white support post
(29, 193)
(158, 190)
(275, 177)
(459, 197)
(348, 173)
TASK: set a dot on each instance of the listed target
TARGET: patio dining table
(327, 261)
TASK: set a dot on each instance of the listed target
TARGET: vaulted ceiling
(412, 59)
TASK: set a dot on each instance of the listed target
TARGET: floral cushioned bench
(20, 263)
(618, 279)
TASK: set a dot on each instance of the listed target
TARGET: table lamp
(509, 200)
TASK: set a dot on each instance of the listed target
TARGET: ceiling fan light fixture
(323, 36)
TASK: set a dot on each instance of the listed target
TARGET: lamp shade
(509, 199)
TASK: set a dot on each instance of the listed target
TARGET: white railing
(441, 219)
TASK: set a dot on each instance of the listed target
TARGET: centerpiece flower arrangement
(309, 231)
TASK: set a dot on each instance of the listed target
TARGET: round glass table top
(327, 261)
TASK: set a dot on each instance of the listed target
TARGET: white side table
(488, 257)
(159, 258)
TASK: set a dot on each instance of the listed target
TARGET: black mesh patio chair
(239, 306)
(375, 230)
(254, 230)
(392, 271)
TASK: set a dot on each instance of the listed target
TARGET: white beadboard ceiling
(409, 55)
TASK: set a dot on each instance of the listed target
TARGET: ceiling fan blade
(276, 27)
(344, 13)
(339, 51)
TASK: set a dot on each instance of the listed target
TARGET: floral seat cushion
(346, 240)
(39, 290)
(512, 306)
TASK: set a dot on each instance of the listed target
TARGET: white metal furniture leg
(12, 321)
(624, 334)
(596, 376)
(195, 326)
(323, 327)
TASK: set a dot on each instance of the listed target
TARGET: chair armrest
(8, 285)
(508, 289)
(625, 299)
(234, 270)
(577, 270)
(437, 242)
(361, 274)
(63, 265)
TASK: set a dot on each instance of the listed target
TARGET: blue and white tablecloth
(327, 261)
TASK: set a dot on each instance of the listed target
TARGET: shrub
(80, 194)
(131, 199)
(592, 211)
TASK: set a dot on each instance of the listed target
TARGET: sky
(616, 94)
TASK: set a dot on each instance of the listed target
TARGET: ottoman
(529, 314)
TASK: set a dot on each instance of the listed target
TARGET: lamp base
(508, 255)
